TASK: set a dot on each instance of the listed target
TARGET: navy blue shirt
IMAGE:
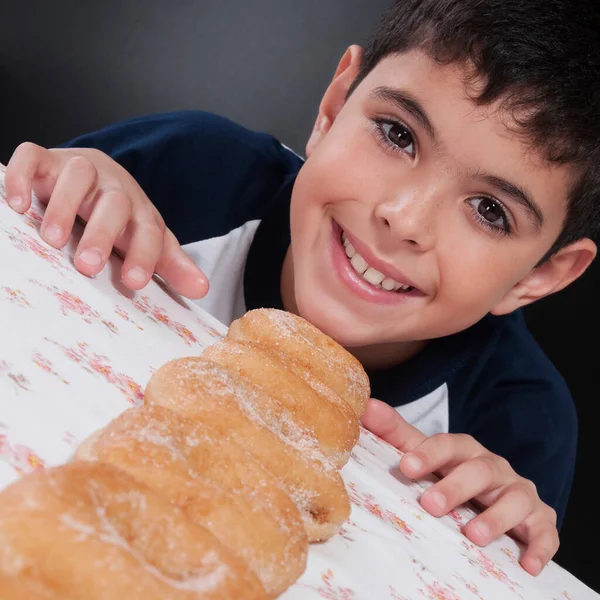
(225, 192)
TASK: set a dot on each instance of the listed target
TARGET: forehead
(449, 90)
(471, 137)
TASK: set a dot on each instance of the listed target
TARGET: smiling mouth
(371, 275)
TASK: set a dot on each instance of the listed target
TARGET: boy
(451, 178)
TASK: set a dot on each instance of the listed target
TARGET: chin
(335, 322)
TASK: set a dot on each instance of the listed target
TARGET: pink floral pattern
(330, 590)
(119, 310)
(46, 365)
(512, 557)
(414, 509)
(159, 315)
(487, 567)
(348, 529)
(209, 329)
(33, 218)
(16, 296)
(72, 304)
(438, 591)
(21, 459)
(26, 243)
(470, 586)
(368, 502)
(19, 379)
(100, 365)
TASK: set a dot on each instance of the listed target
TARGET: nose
(410, 217)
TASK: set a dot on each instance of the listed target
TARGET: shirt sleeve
(205, 174)
(524, 412)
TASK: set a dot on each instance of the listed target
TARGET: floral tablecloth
(75, 352)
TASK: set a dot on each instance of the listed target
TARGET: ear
(567, 265)
(335, 95)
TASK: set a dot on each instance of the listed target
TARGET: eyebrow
(411, 105)
(518, 195)
(405, 101)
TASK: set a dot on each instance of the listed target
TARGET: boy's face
(431, 191)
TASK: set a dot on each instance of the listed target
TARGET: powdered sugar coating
(274, 373)
(92, 519)
(209, 393)
(280, 422)
(299, 338)
(213, 571)
(218, 485)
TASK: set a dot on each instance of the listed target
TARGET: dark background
(67, 67)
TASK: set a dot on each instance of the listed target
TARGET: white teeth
(359, 263)
(373, 276)
(389, 284)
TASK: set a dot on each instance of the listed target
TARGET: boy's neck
(374, 357)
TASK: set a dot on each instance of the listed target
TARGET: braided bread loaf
(213, 489)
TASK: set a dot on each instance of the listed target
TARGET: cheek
(475, 274)
(310, 199)
(306, 205)
(346, 165)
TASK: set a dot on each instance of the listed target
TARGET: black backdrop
(69, 66)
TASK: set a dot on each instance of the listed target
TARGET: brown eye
(490, 210)
(491, 213)
(400, 136)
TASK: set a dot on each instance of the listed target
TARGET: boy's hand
(470, 472)
(118, 214)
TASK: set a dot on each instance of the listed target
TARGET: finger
(74, 184)
(385, 422)
(541, 538)
(541, 551)
(440, 453)
(28, 162)
(469, 480)
(179, 270)
(110, 216)
(145, 244)
(511, 508)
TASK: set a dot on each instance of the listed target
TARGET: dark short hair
(539, 58)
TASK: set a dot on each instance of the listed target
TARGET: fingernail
(16, 202)
(54, 233)
(412, 462)
(438, 499)
(137, 275)
(93, 258)
(482, 530)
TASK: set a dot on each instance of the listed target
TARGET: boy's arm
(205, 174)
